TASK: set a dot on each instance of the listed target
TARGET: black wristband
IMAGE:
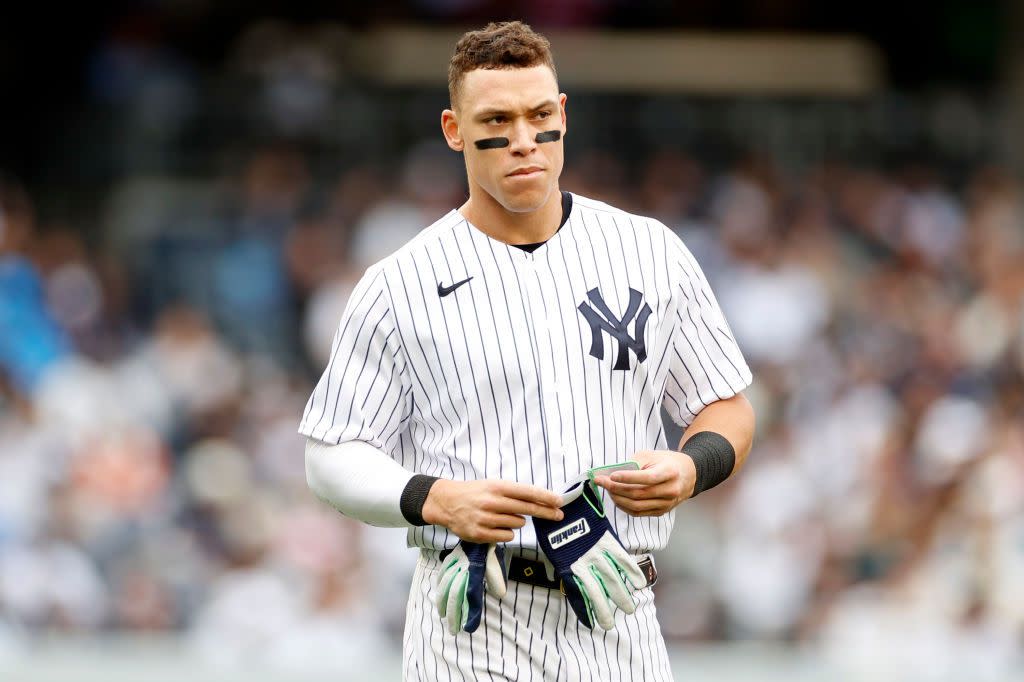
(713, 456)
(414, 496)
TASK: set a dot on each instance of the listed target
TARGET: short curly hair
(501, 45)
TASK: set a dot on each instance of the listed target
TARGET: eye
(543, 114)
(495, 119)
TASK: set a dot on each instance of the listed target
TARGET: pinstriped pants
(531, 634)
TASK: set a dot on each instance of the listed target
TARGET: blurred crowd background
(176, 248)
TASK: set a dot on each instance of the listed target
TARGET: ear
(450, 128)
(561, 105)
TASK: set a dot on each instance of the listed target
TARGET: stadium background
(190, 190)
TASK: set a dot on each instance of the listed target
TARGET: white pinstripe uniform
(534, 370)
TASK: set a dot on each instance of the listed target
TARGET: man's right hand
(486, 511)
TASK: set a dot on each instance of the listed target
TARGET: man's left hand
(665, 479)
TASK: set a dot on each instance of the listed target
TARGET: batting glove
(465, 573)
(595, 570)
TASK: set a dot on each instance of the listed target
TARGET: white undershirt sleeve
(358, 480)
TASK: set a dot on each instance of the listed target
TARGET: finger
(658, 473)
(491, 535)
(666, 491)
(501, 520)
(484, 534)
(510, 505)
(642, 507)
(529, 493)
(633, 492)
(606, 482)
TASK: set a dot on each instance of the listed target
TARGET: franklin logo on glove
(574, 531)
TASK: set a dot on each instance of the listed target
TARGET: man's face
(515, 104)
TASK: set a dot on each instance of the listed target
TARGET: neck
(497, 222)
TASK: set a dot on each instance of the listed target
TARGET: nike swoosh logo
(443, 291)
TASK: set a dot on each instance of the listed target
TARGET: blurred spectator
(31, 342)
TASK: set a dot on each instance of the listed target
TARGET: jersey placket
(540, 305)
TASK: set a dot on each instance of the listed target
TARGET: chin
(525, 202)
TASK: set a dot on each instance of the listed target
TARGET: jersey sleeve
(705, 362)
(364, 393)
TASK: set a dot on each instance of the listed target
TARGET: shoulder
(638, 222)
(588, 205)
(654, 239)
(648, 231)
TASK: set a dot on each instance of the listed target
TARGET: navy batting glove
(595, 570)
(465, 573)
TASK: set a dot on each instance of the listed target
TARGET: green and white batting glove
(595, 570)
(465, 573)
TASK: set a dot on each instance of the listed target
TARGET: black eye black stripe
(492, 143)
(500, 142)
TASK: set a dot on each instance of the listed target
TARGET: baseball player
(496, 384)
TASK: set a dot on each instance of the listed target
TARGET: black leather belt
(532, 572)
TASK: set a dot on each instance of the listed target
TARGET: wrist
(435, 512)
(689, 473)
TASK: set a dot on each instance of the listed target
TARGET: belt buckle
(649, 568)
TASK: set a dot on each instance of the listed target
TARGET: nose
(521, 140)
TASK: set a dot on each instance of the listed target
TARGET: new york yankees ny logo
(604, 319)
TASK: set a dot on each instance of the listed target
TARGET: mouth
(528, 172)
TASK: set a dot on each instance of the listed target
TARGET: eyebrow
(494, 111)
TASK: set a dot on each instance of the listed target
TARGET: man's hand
(486, 511)
(665, 479)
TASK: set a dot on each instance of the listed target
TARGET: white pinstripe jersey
(542, 365)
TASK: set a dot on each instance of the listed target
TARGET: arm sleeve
(705, 363)
(365, 393)
(358, 480)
